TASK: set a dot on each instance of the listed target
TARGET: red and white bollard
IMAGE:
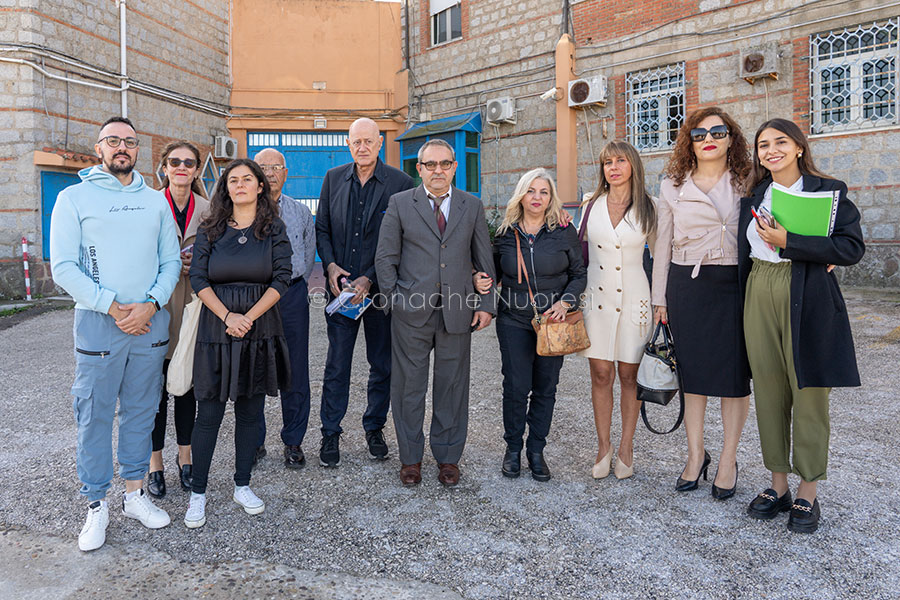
(25, 261)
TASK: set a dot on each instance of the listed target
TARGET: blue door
(309, 155)
(52, 183)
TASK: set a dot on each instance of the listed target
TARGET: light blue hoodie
(113, 242)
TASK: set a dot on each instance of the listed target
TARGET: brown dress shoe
(448, 474)
(411, 474)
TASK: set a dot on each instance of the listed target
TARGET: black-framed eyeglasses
(718, 132)
(431, 165)
(189, 163)
(113, 141)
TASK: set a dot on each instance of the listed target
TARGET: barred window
(654, 106)
(853, 77)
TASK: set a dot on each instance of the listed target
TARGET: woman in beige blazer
(696, 287)
(621, 218)
(187, 200)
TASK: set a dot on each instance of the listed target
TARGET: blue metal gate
(52, 183)
(308, 155)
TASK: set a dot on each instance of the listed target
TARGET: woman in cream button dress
(617, 311)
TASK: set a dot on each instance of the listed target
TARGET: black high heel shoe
(686, 485)
(721, 493)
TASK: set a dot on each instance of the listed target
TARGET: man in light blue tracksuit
(114, 248)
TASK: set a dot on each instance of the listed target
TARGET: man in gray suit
(430, 240)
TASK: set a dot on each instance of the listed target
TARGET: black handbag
(659, 377)
(582, 233)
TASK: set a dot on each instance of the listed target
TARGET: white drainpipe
(123, 60)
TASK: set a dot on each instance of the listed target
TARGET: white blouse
(758, 248)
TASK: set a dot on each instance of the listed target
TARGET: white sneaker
(244, 496)
(141, 508)
(93, 534)
(196, 512)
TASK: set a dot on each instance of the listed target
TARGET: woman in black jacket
(797, 330)
(554, 269)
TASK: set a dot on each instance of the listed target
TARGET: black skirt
(227, 367)
(706, 322)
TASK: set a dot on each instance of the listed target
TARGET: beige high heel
(623, 472)
(601, 469)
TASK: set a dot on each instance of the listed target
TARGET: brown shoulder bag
(554, 338)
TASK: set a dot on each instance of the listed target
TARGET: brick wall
(508, 43)
(183, 48)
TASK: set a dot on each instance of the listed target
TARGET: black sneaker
(767, 504)
(378, 448)
(804, 517)
(330, 453)
(259, 455)
(293, 457)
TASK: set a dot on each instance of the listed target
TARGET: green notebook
(805, 213)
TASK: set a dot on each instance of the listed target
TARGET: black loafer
(293, 457)
(258, 455)
(804, 516)
(767, 504)
(185, 474)
(512, 463)
(378, 448)
(156, 484)
(539, 469)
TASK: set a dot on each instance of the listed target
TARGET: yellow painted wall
(279, 48)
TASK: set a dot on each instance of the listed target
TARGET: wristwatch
(155, 303)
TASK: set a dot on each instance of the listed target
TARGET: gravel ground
(356, 532)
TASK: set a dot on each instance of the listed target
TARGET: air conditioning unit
(226, 147)
(501, 110)
(589, 90)
(759, 62)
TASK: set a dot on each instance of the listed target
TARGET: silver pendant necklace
(243, 239)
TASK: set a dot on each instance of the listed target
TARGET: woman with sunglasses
(241, 267)
(188, 203)
(696, 287)
(798, 334)
(621, 218)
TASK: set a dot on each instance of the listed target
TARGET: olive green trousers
(782, 408)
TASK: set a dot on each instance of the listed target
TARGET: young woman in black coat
(795, 322)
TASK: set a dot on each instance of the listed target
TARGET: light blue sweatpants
(111, 365)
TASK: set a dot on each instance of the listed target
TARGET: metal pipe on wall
(123, 57)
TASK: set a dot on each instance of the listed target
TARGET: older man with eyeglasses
(114, 248)
(294, 307)
(430, 240)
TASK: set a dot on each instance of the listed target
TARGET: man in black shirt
(351, 206)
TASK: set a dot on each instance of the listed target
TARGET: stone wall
(507, 50)
(183, 48)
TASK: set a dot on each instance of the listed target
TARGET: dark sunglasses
(431, 165)
(190, 163)
(718, 132)
(113, 141)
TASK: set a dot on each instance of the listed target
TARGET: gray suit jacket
(419, 269)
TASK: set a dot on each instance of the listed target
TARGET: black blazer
(332, 215)
(822, 343)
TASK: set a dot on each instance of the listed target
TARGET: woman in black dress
(241, 267)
